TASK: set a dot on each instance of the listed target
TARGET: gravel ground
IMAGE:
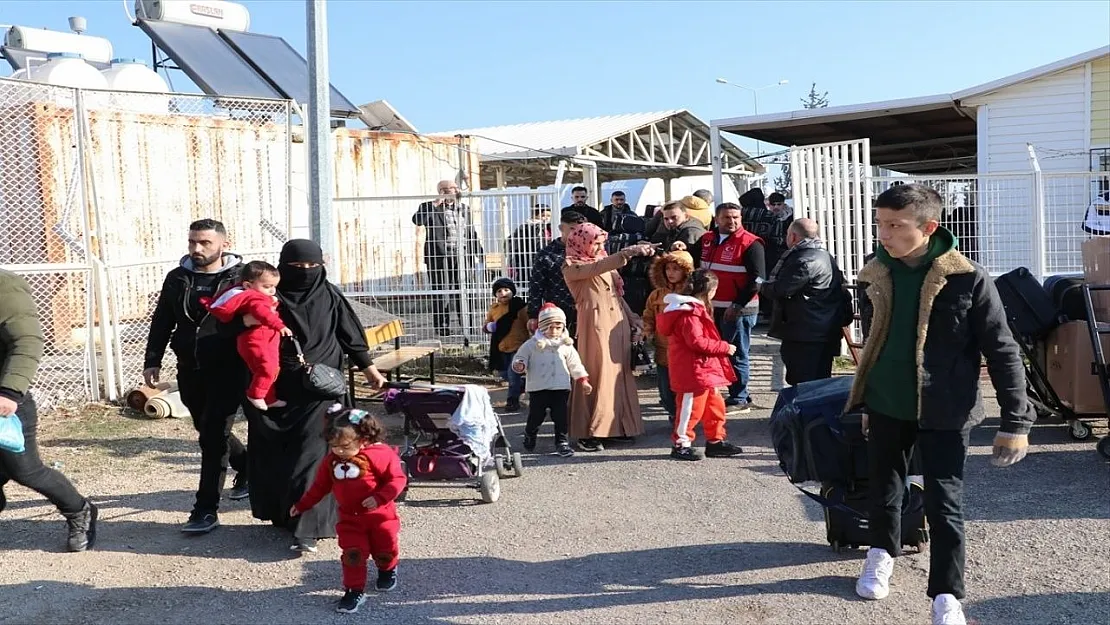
(624, 536)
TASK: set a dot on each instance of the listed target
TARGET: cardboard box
(1069, 357)
(1096, 270)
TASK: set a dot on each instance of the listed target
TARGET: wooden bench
(389, 363)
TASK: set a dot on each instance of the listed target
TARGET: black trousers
(890, 444)
(27, 468)
(213, 396)
(806, 361)
(443, 271)
(539, 402)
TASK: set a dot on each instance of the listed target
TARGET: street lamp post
(755, 100)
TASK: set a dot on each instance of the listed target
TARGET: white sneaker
(874, 581)
(948, 611)
(258, 403)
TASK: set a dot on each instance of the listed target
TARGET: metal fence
(397, 254)
(97, 190)
(1004, 221)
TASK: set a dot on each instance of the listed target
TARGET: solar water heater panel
(284, 67)
(208, 60)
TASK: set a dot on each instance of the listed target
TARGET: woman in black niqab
(287, 443)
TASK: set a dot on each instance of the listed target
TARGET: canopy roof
(666, 144)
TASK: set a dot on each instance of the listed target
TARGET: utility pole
(318, 132)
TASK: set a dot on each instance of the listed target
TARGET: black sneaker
(513, 405)
(201, 523)
(82, 528)
(563, 449)
(240, 488)
(685, 453)
(529, 442)
(738, 406)
(722, 449)
(304, 545)
(387, 580)
(590, 445)
(350, 603)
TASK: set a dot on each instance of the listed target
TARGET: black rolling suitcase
(846, 517)
(1029, 307)
(1067, 294)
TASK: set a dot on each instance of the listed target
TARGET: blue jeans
(666, 395)
(516, 381)
(739, 333)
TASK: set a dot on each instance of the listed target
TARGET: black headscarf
(319, 315)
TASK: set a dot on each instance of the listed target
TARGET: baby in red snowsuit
(366, 477)
(258, 345)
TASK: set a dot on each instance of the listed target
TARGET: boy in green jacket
(929, 315)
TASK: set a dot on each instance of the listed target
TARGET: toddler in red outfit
(365, 476)
(258, 345)
(698, 366)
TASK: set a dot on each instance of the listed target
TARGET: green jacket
(20, 336)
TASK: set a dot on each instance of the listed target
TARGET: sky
(458, 65)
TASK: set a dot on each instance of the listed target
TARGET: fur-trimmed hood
(658, 273)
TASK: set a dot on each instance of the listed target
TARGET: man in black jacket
(448, 231)
(811, 305)
(211, 376)
(930, 316)
(579, 196)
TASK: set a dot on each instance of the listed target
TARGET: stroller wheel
(490, 487)
(504, 468)
(517, 464)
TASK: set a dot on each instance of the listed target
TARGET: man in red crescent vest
(736, 257)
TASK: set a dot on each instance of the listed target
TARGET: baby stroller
(441, 446)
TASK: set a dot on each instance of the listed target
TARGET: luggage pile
(816, 441)
(1060, 326)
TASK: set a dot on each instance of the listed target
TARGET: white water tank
(210, 13)
(66, 69)
(95, 49)
(142, 89)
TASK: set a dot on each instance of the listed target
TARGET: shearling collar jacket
(960, 321)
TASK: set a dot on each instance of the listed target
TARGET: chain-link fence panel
(45, 231)
(158, 163)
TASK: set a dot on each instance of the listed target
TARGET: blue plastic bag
(11, 434)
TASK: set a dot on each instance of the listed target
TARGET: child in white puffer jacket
(551, 365)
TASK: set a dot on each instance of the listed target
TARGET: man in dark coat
(579, 195)
(448, 233)
(811, 305)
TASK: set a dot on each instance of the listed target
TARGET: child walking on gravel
(366, 477)
(552, 365)
(699, 365)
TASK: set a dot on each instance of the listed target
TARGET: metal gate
(831, 185)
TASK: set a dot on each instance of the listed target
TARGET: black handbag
(327, 382)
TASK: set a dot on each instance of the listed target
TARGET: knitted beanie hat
(550, 313)
(504, 283)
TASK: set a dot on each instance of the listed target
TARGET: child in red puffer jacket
(699, 365)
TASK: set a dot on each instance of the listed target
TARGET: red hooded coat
(698, 358)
